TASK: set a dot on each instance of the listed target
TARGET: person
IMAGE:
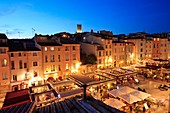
(144, 109)
(130, 109)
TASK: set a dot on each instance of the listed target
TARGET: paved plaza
(151, 87)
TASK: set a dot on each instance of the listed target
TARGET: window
(35, 63)
(24, 54)
(74, 56)
(100, 61)
(3, 51)
(15, 77)
(100, 53)
(59, 58)
(141, 50)
(164, 50)
(67, 59)
(34, 54)
(12, 54)
(74, 48)
(52, 67)
(12, 65)
(67, 66)
(66, 48)
(140, 55)
(35, 74)
(58, 49)
(45, 48)
(20, 64)
(25, 75)
(110, 46)
(4, 62)
(114, 57)
(46, 59)
(52, 58)
(141, 44)
(19, 54)
(25, 65)
(4, 76)
(59, 68)
(106, 46)
(52, 48)
(106, 53)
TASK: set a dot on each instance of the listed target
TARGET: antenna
(33, 31)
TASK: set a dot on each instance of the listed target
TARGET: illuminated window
(45, 48)
(74, 56)
(52, 48)
(67, 66)
(52, 58)
(52, 67)
(67, 59)
(4, 62)
(4, 76)
(12, 65)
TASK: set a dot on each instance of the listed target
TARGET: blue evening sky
(53, 16)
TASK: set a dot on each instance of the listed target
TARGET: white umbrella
(129, 98)
(115, 92)
(126, 90)
(114, 103)
(140, 94)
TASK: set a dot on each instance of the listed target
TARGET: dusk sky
(53, 16)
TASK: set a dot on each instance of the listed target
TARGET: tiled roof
(100, 48)
(3, 36)
(22, 45)
(49, 44)
(24, 108)
(67, 41)
(76, 105)
(16, 98)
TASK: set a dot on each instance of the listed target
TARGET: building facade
(4, 66)
(60, 56)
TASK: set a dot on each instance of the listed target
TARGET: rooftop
(3, 36)
(76, 105)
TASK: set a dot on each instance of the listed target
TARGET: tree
(91, 59)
